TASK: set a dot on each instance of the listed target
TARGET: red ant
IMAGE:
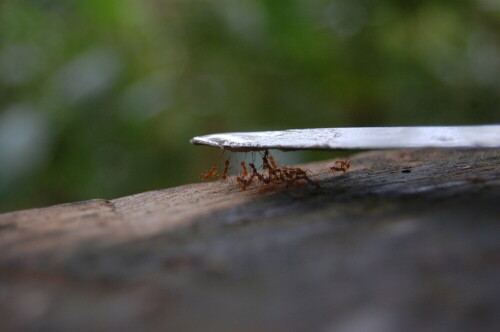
(248, 182)
(210, 174)
(272, 175)
(343, 166)
(244, 182)
(257, 174)
(244, 166)
(242, 179)
(299, 171)
(226, 170)
(273, 163)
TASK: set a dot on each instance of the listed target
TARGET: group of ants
(272, 174)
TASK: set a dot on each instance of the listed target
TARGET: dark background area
(99, 98)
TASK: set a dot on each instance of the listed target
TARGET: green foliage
(99, 98)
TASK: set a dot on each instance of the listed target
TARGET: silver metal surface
(482, 136)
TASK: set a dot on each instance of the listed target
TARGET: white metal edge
(480, 136)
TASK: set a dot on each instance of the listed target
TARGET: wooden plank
(406, 240)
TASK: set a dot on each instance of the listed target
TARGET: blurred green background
(98, 98)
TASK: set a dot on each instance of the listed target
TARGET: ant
(248, 182)
(245, 171)
(226, 170)
(299, 171)
(340, 166)
(210, 174)
(296, 175)
(244, 182)
(242, 179)
(273, 163)
(257, 174)
(272, 174)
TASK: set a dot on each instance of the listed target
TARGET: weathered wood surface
(408, 240)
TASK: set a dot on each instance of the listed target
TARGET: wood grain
(406, 240)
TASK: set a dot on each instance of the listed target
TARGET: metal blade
(481, 136)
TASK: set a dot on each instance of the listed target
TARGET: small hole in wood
(406, 171)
